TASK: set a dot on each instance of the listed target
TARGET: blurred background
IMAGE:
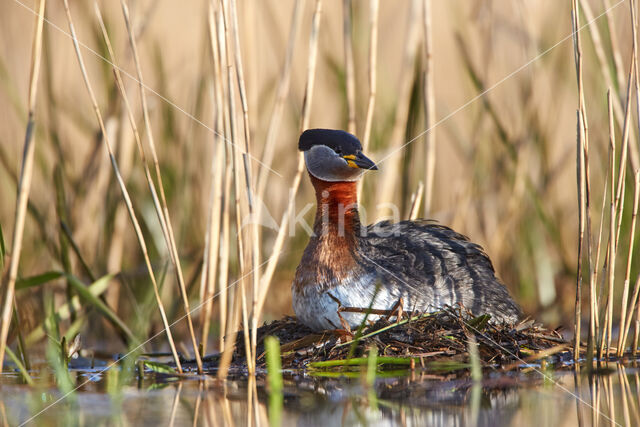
(505, 99)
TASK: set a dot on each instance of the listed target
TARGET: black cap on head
(339, 140)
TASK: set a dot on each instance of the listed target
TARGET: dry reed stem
(429, 109)
(241, 207)
(593, 267)
(622, 336)
(123, 188)
(372, 71)
(281, 95)
(390, 173)
(227, 319)
(214, 224)
(594, 273)
(253, 227)
(625, 316)
(163, 214)
(225, 295)
(581, 226)
(127, 110)
(225, 360)
(622, 165)
(293, 190)
(416, 199)
(24, 185)
(636, 325)
(608, 320)
(613, 41)
(606, 69)
(581, 180)
(373, 64)
(600, 337)
(350, 79)
(117, 239)
(229, 333)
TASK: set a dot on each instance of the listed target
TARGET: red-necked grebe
(424, 265)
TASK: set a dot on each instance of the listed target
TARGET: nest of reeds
(436, 341)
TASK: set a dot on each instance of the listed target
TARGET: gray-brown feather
(434, 265)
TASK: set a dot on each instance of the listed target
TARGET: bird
(348, 268)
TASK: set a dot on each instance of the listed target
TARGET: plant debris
(435, 342)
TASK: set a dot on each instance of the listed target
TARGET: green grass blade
(64, 311)
(21, 368)
(38, 280)
(361, 361)
(161, 368)
(372, 363)
(85, 294)
(474, 360)
(358, 336)
(372, 367)
(274, 379)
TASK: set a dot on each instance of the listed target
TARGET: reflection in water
(608, 399)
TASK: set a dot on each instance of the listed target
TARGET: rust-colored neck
(337, 210)
(330, 258)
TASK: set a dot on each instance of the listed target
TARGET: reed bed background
(159, 129)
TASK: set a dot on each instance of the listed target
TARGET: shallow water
(397, 398)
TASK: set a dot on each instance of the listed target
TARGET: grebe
(423, 265)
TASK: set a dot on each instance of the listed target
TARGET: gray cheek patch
(323, 163)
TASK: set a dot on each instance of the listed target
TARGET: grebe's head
(333, 155)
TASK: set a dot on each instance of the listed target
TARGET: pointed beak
(360, 161)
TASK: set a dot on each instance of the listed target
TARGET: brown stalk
(608, 320)
(390, 173)
(231, 321)
(24, 185)
(622, 336)
(581, 176)
(253, 239)
(224, 299)
(278, 107)
(613, 41)
(228, 318)
(225, 360)
(581, 227)
(163, 215)
(373, 64)
(626, 315)
(123, 188)
(212, 247)
(373, 60)
(595, 311)
(241, 207)
(128, 110)
(429, 109)
(606, 69)
(293, 190)
(350, 80)
(416, 198)
(619, 200)
(593, 267)
(610, 172)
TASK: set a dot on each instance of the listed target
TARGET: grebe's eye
(338, 150)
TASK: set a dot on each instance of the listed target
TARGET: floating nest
(436, 342)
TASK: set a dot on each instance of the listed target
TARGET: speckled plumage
(425, 264)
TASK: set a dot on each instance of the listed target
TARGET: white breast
(318, 310)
